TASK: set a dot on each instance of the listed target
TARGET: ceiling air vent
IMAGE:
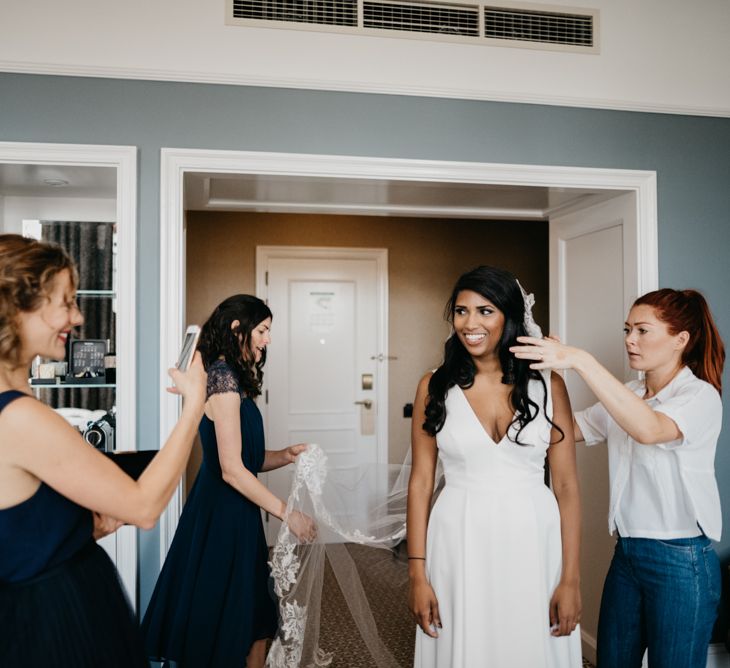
(320, 12)
(422, 17)
(540, 27)
(531, 26)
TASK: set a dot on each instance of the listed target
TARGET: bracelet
(421, 558)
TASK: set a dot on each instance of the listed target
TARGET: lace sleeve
(221, 379)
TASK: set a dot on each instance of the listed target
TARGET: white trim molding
(172, 327)
(381, 88)
(124, 160)
(174, 163)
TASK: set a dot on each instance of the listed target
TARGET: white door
(593, 282)
(326, 370)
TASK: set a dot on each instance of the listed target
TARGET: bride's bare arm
(422, 600)
(565, 606)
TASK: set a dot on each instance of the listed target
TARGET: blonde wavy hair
(27, 270)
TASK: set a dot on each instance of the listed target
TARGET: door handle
(365, 402)
(381, 358)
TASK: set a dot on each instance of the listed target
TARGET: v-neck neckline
(479, 422)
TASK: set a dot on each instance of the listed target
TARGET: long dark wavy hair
(458, 368)
(219, 340)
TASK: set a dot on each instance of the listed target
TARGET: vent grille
(321, 12)
(422, 18)
(536, 26)
(469, 21)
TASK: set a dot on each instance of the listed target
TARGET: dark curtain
(91, 247)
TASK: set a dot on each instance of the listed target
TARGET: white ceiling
(30, 181)
(250, 192)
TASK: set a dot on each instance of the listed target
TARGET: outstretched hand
(548, 352)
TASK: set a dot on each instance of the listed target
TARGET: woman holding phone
(663, 587)
(61, 602)
(212, 605)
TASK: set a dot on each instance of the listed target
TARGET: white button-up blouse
(666, 490)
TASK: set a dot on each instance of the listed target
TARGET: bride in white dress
(493, 567)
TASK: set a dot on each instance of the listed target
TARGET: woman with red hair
(663, 587)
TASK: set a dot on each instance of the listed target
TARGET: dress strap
(10, 395)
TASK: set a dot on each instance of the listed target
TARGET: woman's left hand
(291, 453)
(104, 525)
(565, 609)
(548, 352)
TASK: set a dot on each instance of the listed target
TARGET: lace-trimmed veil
(348, 507)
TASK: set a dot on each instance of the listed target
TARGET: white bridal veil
(365, 507)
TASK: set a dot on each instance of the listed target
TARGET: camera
(100, 433)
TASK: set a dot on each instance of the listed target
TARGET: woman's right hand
(191, 384)
(424, 606)
(302, 525)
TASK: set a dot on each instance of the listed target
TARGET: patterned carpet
(384, 578)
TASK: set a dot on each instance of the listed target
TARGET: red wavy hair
(687, 311)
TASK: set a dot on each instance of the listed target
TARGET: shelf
(61, 385)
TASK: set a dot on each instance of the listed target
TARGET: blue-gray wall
(691, 156)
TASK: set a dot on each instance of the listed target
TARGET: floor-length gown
(212, 599)
(493, 552)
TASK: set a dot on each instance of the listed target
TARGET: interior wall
(663, 55)
(425, 257)
(689, 154)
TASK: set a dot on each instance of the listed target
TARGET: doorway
(243, 181)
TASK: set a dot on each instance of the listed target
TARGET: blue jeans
(660, 595)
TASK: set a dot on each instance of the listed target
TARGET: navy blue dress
(61, 602)
(212, 599)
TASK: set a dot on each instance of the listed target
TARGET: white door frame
(174, 163)
(380, 256)
(124, 159)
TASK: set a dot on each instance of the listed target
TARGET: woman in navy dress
(212, 606)
(61, 602)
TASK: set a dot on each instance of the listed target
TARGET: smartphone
(192, 334)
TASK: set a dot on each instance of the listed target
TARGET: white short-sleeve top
(666, 490)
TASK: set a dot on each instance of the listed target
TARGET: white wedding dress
(494, 552)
